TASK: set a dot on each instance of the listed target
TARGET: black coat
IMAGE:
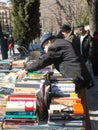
(65, 60)
(86, 47)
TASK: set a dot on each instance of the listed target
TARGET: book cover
(21, 98)
(76, 108)
(13, 106)
(65, 100)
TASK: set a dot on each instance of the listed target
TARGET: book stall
(42, 100)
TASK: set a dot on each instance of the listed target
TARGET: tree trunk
(4, 48)
(93, 15)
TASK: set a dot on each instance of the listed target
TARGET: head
(46, 41)
(82, 30)
(65, 29)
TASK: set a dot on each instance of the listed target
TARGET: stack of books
(65, 107)
(5, 90)
(19, 64)
(5, 66)
(21, 109)
(8, 77)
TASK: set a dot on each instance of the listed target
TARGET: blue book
(20, 116)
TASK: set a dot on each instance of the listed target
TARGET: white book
(20, 106)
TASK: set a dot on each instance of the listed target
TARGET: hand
(21, 74)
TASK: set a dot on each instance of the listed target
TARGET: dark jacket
(75, 41)
(65, 60)
(95, 47)
(86, 47)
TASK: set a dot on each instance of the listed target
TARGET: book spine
(65, 100)
(62, 116)
(20, 116)
(19, 119)
(20, 113)
(67, 123)
(21, 98)
(19, 123)
(36, 86)
(63, 94)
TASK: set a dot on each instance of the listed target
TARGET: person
(68, 34)
(11, 44)
(85, 43)
(60, 53)
(95, 54)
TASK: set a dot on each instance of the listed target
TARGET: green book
(21, 113)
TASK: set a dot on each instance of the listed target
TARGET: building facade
(5, 16)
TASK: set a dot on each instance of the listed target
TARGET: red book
(21, 98)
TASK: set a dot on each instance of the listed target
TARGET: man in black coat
(61, 53)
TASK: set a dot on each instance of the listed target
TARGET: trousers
(82, 93)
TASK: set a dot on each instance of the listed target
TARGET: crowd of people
(84, 44)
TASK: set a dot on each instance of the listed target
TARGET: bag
(10, 46)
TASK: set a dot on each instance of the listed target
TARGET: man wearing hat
(61, 54)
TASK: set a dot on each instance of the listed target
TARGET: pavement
(93, 104)
(16, 52)
(92, 95)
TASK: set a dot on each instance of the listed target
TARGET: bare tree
(93, 15)
(57, 12)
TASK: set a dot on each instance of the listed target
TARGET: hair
(65, 28)
(60, 35)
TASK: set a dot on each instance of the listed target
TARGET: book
(28, 84)
(66, 87)
(5, 65)
(13, 106)
(19, 119)
(76, 108)
(24, 98)
(20, 113)
(78, 123)
(62, 94)
(20, 116)
(25, 91)
(6, 90)
(19, 123)
(19, 64)
(65, 100)
(65, 116)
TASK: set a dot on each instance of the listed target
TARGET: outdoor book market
(42, 100)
